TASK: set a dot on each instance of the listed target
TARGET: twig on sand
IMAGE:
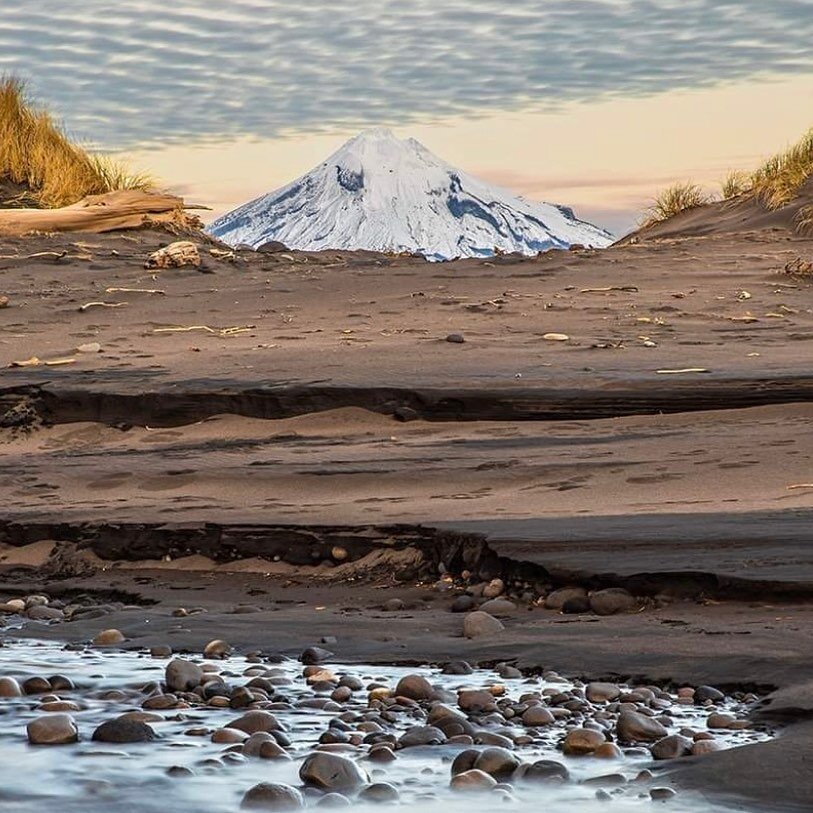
(89, 305)
(220, 331)
(800, 485)
(682, 370)
(39, 255)
(134, 291)
(35, 362)
(630, 289)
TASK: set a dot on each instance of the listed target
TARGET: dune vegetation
(775, 184)
(37, 156)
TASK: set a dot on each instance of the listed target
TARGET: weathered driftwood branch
(100, 213)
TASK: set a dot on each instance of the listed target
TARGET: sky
(594, 104)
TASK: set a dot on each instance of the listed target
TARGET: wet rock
(182, 676)
(36, 685)
(499, 607)
(421, 735)
(582, 741)
(576, 606)
(497, 762)
(59, 705)
(672, 747)
(53, 729)
(715, 720)
(609, 750)
(635, 727)
(272, 796)
(556, 599)
(703, 747)
(123, 730)
(535, 716)
(9, 687)
(161, 652)
(612, 601)
(472, 781)
(379, 793)
(546, 770)
(314, 655)
(381, 753)
(110, 637)
(43, 613)
(256, 720)
(217, 650)
(463, 604)
(331, 772)
(496, 587)
(13, 606)
(415, 687)
(476, 700)
(602, 692)
(707, 694)
(662, 793)
(457, 668)
(333, 800)
(478, 624)
(508, 672)
(228, 736)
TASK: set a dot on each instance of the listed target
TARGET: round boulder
(272, 796)
(182, 676)
(415, 687)
(478, 624)
(612, 601)
(124, 730)
(635, 727)
(55, 729)
(581, 741)
(331, 772)
(473, 780)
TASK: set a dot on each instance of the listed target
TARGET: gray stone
(612, 601)
(331, 772)
(182, 676)
(478, 624)
(272, 796)
(635, 727)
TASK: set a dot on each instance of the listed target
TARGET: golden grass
(680, 197)
(736, 183)
(804, 220)
(36, 153)
(778, 180)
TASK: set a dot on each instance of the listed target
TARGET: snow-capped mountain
(381, 193)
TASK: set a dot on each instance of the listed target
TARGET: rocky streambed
(89, 727)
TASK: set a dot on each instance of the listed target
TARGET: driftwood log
(101, 213)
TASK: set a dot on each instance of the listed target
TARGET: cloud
(154, 71)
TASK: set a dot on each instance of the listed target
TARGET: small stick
(134, 291)
(89, 305)
(631, 289)
(683, 370)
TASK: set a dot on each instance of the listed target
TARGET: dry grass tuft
(36, 153)
(736, 183)
(678, 198)
(778, 180)
(799, 268)
(804, 220)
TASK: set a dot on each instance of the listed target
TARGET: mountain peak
(382, 193)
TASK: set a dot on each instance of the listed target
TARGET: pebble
(182, 676)
(124, 730)
(478, 624)
(496, 587)
(581, 741)
(53, 729)
(331, 772)
(217, 650)
(612, 601)
(473, 780)
(662, 793)
(499, 607)
(455, 338)
(9, 687)
(272, 796)
(633, 726)
(109, 637)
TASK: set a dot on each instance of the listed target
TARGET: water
(88, 776)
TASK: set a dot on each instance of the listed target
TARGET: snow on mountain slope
(382, 193)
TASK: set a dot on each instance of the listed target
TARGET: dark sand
(558, 457)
